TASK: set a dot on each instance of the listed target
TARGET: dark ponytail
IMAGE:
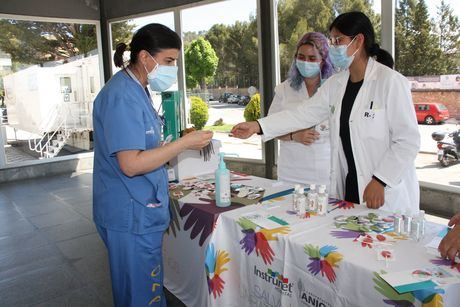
(381, 55)
(354, 23)
(118, 56)
(152, 38)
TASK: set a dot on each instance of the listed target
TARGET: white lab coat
(385, 138)
(299, 163)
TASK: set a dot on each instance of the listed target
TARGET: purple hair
(319, 41)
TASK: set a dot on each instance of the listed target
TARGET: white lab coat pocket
(372, 124)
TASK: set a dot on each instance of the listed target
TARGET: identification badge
(369, 114)
(151, 131)
(332, 109)
(153, 205)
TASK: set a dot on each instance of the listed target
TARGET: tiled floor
(50, 252)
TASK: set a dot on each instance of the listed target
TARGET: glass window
(43, 82)
(123, 31)
(316, 16)
(221, 64)
(427, 53)
(441, 106)
(66, 85)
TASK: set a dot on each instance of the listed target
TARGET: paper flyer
(419, 279)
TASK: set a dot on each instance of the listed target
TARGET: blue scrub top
(124, 119)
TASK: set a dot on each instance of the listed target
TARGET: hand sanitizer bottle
(311, 199)
(295, 197)
(322, 200)
(222, 182)
(301, 203)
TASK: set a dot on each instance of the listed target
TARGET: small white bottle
(301, 203)
(295, 197)
(311, 199)
(322, 200)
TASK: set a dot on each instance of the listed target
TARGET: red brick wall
(451, 99)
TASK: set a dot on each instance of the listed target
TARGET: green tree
(200, 62)
(32, 42)
(218, 37)
(426, 55)
(122, 32)
(448, 31)
(199, 113)
(85, 38)
(404, 36)
(252, 109)
(191, 36)
(317, 17)
(421, 47)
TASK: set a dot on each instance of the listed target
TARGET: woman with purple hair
(304, 155)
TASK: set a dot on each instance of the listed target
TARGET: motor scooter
(448, 151)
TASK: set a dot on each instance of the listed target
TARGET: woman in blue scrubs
(130, 183)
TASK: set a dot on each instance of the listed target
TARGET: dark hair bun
(118, 56)
(374, 49)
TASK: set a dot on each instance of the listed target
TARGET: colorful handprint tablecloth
(218, 257)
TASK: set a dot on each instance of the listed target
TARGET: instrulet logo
(280, 282)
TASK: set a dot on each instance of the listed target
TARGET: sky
(204, 17)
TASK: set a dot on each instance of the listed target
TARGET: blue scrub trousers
(136, 267)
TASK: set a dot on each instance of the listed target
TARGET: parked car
(233, 98)
(244, 100)
(431, 113)
(223, 98)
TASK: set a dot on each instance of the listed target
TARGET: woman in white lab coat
(372, 123)
(304, 155)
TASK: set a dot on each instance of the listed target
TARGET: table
(212, 258)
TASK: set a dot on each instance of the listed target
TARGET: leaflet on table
(419, 279)
(265, 221)
(211, 176)
(432, 246)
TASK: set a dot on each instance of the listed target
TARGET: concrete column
(181, 66)
(2, 146)
(388, 26)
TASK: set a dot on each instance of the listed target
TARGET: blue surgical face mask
(307, 69)
(339, 57)
(161, 77)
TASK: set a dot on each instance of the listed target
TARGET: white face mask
(161, 77)
(339, 57)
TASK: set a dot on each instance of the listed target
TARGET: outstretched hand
(450, 244)
(245, 130)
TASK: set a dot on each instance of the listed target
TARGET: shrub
(252, 110)
(219, 122)
(198, 112)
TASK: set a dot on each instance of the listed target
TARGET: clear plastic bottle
(301, 203)
(295, 197)
(415, 228)
(407, 223)
(312, 199)
(322, 200)
(398, 224)
(422, 222)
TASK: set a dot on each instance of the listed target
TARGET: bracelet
(260, 128)
(290, 135)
